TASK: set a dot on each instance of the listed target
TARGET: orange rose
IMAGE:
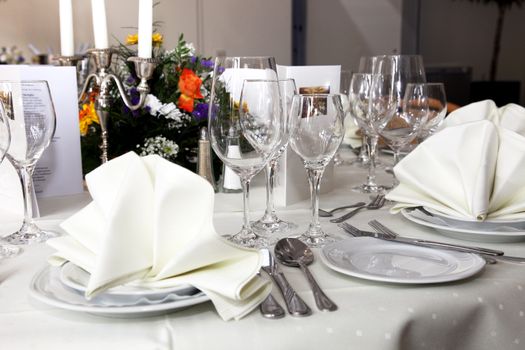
(185, 103)
(190, 84)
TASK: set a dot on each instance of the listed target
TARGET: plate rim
(115, 293)
(476, 268)
(108, 310)
(501, 234)
(469, 220)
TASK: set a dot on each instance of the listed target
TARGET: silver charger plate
(47, 288)
(377, 260)
(492, 231)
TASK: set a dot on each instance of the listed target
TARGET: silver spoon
(293, 252)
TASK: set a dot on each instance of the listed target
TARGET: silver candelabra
(102, 80)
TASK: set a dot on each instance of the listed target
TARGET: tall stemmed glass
(392, 74)
(245, 144)
(359, 97)
(317, 131)
(32, 120)
(5, 140)
(270, 223)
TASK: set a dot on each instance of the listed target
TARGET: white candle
(67, 46)
(100, 27)
(145, 27)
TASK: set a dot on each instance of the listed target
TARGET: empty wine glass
(245, 129)
(270, 223)
(437, 109)
(5, 139)
(359, 96)
(31, 112)
(317, 130)
(344, 84)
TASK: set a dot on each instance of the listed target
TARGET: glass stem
(365, 151)
(314, 178)
(271, 168)
(25, 173)
(397, 157)
(372, 146)
(246, 203)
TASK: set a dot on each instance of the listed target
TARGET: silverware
(295, 305)
(270, 308)
(328, 213)
(379, 227)
(491, 259)
(293, 252)
(376, 203)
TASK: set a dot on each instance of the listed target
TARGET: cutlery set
(293, 252)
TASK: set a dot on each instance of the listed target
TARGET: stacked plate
(492, 230)
(64, 287)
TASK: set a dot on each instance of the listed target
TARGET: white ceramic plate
(47, 288)
(76, 278)
(373, 259)
(498, 233)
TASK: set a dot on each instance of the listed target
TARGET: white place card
(59, 170)
(291, 185)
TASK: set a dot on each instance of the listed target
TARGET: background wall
(454, 32)
(235, 27)
(341, 31)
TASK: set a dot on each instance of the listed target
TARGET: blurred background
(455, 37)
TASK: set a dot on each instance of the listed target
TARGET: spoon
(293, 252)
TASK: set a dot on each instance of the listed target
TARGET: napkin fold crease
(151, 223)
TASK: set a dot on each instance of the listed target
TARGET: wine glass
(344, 84)
(391, 76)
(359, 96)
(243, 128)
(32, 121)
(317, 130)
(270, 223)
(5, 139)
(437, 109)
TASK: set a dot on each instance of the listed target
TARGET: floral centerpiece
(169, 122)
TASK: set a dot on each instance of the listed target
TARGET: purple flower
(130, 80)
(193, 59)
(200, 112)
(207, 63)
(220, 70)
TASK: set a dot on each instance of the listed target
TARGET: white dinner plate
(492, 232)
(373, 259)
(47, 288)
(77, 279)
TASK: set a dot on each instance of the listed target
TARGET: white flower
(161, 146)
(154, 104)
(191, 48)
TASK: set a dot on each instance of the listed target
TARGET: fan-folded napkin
(474, 168)
(151, 222)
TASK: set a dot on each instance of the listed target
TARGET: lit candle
(67, 46)
(145, 27)
(100, 27)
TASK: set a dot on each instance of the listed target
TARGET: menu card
(59, 170)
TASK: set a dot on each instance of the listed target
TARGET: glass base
(250, 239)
(267, 226)
(8, 251)
(365, 188)
(29, 233)
(317, 241)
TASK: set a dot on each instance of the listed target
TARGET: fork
(376, 203)
(328, 213)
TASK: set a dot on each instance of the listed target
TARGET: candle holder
(68, 60)
(102, 80)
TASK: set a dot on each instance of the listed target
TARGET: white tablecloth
(486, 311)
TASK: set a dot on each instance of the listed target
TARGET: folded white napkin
(151, 220)
(474, 168)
